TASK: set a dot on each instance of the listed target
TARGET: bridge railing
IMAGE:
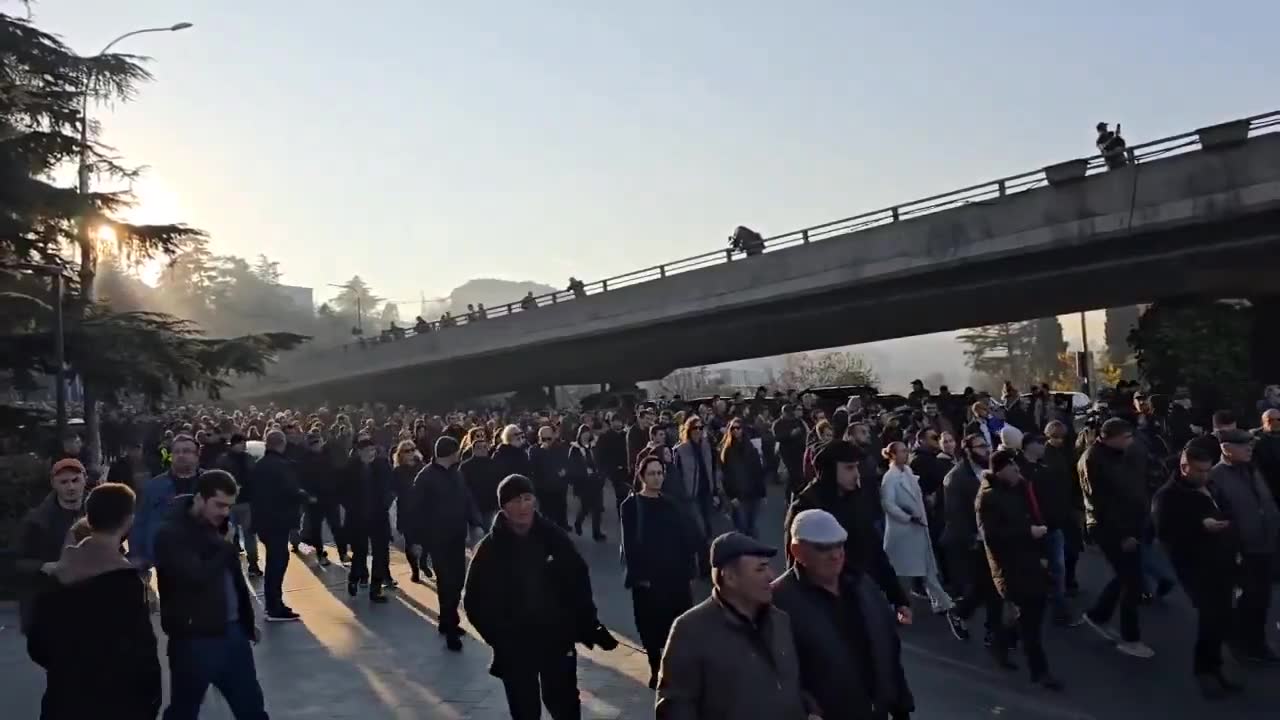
(989, 191)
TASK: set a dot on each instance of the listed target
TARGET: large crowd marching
(967, 501)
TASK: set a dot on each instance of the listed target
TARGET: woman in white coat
(906, 535)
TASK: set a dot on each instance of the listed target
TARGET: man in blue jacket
(158, 494)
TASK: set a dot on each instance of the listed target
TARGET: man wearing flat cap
(733, 656)
(1253, 515)
(846, 641)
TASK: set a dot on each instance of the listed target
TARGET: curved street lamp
(84, 98)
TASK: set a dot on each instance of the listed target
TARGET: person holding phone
(1196, 533)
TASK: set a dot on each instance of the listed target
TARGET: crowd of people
(965, 501)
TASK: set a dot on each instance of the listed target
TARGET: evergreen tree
(267, 270)
(356, 302)
(1002, 350)
(1047, 349)
(1120, 321)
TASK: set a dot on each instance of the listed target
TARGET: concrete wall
(1043, 229)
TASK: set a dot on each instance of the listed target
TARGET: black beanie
(513, 487)
(446, 446)
(1002, 459)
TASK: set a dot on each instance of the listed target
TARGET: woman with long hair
(406, 461)
(659, 546)
(823, 433)
(743, 477)
(906, 535)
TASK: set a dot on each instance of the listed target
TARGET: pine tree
(1120, 321)
(1001, 351)
(356, 302)
(1045, 361)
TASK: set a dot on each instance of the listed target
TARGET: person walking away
(528, 595)
(443, 514)
(481, 475)
(365, 491)
(611, 458)
(744, 482)
(319, 479)
(42, 534)
(406, 463)
(1013, 532)
(157, 496)
(1256, 522)
(1052, 489)
(659, 547)
(236, 462)
(93, 634)
(1116, 511)
(131, 468)
(733, 656)
(849, 652)
(549, 460)
(207, 610)
(587, 482)
(906, 535)
(966, 552)
(277, 500)
(1195, 531)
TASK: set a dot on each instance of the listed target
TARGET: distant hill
(492, 292)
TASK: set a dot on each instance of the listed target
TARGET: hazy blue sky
(422, 143)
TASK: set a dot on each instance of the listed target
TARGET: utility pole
(1088, 357)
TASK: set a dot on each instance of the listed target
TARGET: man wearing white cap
(849, 652)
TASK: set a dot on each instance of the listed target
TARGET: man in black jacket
(1060, 456)
(528, 594)
(42, 534)
(550, 463)
(1116, 511)
(611, 454)
(790, 431)
(277, 499)
(236, 462)
(1196, 533)
(1052, 487)
(637, 438)
(849, 652)
(443, 514)
(206, 608)
(366, 492)
(931, 471)
(319, 479)
(970, 573)
(481, 475)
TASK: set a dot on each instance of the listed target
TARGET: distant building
(302, 297)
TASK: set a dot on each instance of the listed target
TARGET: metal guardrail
(983, 192)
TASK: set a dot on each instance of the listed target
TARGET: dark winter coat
(97, 618)
(39, 539)
(1053, 491)
(277, 495)
(367, 501)
(960, 493)
(511, 460)
(1005, 519)
(193, 561)
(443, 509)
(482, 476)
(637, 439)
(1115, 494)
(743, 472)
(550, 469)
(1255, 519)
(849, 651)
(864, 548)
(1204, 561)
(240, 465)
(659, 543)
(582, 472)
(930, 469)
(492, 598)
(402, 477)
(611, 453)
(319, 477)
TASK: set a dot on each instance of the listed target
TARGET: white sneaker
(1137, 649)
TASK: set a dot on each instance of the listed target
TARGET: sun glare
(105, 235)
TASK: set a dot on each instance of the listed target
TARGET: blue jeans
(745, 515)
(1056, 549)
(1155, 567)
(224, 661)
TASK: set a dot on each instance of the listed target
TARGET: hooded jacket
(584, 474)
(96, 618)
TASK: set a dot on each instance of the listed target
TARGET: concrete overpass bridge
(1197, 213)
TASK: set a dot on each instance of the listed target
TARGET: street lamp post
(87, 251)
